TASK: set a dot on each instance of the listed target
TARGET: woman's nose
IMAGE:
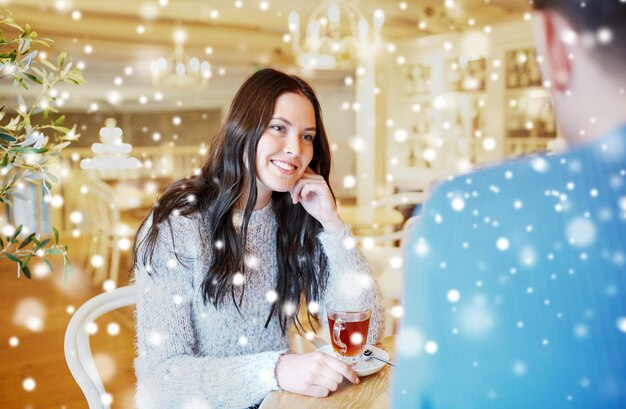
(292, 145)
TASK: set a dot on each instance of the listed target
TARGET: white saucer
(363, 367)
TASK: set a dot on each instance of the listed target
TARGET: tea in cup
(348, 322)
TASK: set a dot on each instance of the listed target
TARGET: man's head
(600, 25)
(583, 48)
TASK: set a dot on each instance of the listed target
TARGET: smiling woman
(286, 147)
(226, 256)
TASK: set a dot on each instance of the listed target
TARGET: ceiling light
(336, 33)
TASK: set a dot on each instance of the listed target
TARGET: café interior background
(412, 92)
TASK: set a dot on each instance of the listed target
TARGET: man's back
(516, 287)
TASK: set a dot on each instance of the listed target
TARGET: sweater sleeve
(350, 277)
(170, 372)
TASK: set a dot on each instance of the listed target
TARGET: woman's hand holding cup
(313, 374)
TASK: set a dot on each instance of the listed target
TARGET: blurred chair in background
(91, 212)
(383, 249)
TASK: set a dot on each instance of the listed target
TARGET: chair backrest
(77, 349)
(388, 238)
(100, 223)
(399, 199)
(380, 252)
(382, 255)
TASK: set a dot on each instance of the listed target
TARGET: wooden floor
(39, 354)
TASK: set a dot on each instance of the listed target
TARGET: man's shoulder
(507, 195)
(497, 180)
(512, 177)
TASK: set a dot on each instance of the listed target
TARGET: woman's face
(286, 147)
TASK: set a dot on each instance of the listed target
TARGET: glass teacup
(348, 322)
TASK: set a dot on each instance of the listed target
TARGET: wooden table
(364, 217)
(372, 392)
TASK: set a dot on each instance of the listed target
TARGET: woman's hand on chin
(313, 193)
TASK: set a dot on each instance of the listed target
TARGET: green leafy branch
(31, 137)
(22, 251)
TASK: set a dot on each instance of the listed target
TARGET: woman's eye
(308, 138)
(278, 128)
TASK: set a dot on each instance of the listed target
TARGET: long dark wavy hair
(228, 175)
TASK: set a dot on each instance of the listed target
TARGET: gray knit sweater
(192, 355)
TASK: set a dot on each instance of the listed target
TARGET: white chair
(386, 263)
(77, 349)
(381, 248)
(398, 199)
(385, 257)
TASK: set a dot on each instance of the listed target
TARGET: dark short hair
(590, 16)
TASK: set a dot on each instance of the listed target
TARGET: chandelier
(180, 70)
(337, 33)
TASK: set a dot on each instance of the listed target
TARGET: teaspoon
(369, 355)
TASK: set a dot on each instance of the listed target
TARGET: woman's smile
(285, 167)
